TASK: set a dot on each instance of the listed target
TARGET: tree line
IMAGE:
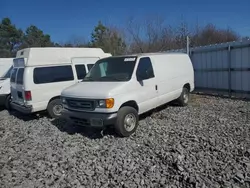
(150, 35)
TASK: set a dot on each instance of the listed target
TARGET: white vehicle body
(151, 80)
(5, 64)
(40, 74)
(5, 70)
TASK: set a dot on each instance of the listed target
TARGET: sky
(66, 19)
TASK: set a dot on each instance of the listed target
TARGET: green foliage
(109, 39)
(10, 38)
(35, 37)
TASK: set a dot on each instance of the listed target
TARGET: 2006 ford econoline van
(40, 74)
(118, 89)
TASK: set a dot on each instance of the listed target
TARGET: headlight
(63, 100)
(105, 103)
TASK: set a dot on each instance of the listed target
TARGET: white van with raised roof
(40, 74)
(120, 88)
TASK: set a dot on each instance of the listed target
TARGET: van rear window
(19, 79)
(52, 74)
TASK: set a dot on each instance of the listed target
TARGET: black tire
(7, 102)
(184, 98)
(53, 108)
(120, 126)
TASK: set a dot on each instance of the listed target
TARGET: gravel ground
(206, 144)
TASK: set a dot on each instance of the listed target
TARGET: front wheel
(55, 108)
(127, 121)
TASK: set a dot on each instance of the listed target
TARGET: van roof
(151, 54)
(56, 55)
(159, 53)
(6, 60)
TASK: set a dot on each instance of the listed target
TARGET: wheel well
(131, 104)
(187, 85)
(56, 97)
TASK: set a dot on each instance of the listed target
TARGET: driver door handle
(156, 87)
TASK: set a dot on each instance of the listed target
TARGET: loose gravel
(205, 144)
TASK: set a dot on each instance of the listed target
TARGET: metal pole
(229, 73)
(188, 45)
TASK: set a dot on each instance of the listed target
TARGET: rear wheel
(184, 98)
(127, 121)
(7, 102)
(55, 108)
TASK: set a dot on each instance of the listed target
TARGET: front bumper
(89, 119)
(21, 108)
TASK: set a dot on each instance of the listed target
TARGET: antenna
(141, 49)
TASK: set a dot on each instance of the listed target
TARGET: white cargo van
(40, 74)
(118, 89)
(5, 68)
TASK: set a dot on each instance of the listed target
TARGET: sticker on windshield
(130, 59)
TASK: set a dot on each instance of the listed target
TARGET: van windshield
(112, 69)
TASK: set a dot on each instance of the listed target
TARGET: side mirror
(142, 75)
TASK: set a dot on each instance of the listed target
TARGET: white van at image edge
(40, 74)
(5, 64)
(5, 70)
(120, 88)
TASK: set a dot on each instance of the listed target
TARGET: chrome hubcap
(185, 97)
(129, 122)
(57, 109)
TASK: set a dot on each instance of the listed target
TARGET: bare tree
(151, 35)
(212, 35)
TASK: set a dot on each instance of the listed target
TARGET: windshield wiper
(88, 79)
(112, 78)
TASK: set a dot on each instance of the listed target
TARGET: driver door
(147, 88)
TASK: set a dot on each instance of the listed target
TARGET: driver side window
(145, 65)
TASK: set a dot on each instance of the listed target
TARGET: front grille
(81, 104)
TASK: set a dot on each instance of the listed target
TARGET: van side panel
(43, 92)
(172, 71)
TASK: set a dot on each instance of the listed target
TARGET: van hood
(3, 80)
(94, 89)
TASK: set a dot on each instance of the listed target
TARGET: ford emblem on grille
(79, 104)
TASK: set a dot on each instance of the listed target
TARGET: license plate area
(20, 95)
(96, 122)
